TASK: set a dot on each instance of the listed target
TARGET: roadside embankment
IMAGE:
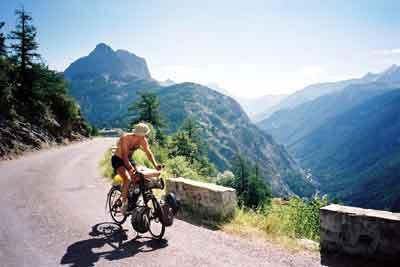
(17, 137)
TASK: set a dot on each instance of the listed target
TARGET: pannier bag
(170, 207)
(140, 219)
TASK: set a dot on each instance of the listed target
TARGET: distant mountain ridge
(103, 60)
(260, 107)
(289, 126)
(313, 91)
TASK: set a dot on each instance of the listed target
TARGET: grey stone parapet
(365, 233)
(208, 200)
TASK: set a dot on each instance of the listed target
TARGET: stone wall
(207, 200)
(362, 233)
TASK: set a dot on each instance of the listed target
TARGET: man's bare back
(131, 143)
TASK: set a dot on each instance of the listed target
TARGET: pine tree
(190, 126)
(182, 145)
(147, 109)
(25, 45)
(241, 170)
(252, 191)
(3, 50)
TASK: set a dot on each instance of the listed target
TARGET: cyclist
(121, 160)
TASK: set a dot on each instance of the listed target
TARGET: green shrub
(295, 218)
(180, 167)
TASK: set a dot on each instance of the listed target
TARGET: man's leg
(125, 185)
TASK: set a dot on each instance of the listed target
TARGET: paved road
(53, 207)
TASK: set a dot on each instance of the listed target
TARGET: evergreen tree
(25, 45)
(256, 193)
(190, 126)
(182, 145)
(3, 50)
(187, 142)
(250, 187)
(241, 170)
(147, 109)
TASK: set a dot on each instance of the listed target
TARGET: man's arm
(149, 154)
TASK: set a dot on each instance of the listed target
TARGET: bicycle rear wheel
(115, 205)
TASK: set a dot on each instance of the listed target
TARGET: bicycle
(149, 214)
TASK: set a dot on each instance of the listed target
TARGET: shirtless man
(121, 160)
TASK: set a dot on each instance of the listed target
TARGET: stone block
(360, 232)
(208, 200)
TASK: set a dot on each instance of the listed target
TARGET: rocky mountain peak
(102, 48)
(103, 60)
(391, 75)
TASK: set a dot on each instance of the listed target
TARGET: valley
(347, 138)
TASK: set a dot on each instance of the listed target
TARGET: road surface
(53, 211)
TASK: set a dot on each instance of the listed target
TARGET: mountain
(167, 82)
(348, 140)
(218, 88)
(103, 60)
(356, 155)
(291, 125)
(391, 75)
(255, 108)
(260, 107)
(104, 98)
(311, 92)
(314, 91)
(227, 129)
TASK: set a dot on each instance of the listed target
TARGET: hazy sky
(251, 48)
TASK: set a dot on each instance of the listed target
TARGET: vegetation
(24, 48)
(250, 187)
(33, 98)
(293, 219)
(147, 109)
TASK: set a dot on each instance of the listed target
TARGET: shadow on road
(108, 239)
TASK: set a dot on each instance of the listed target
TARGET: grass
(281, 222)
(105, 165)
(252, 225)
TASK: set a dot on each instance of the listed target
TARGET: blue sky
(251, 48)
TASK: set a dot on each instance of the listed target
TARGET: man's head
(141, 129)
